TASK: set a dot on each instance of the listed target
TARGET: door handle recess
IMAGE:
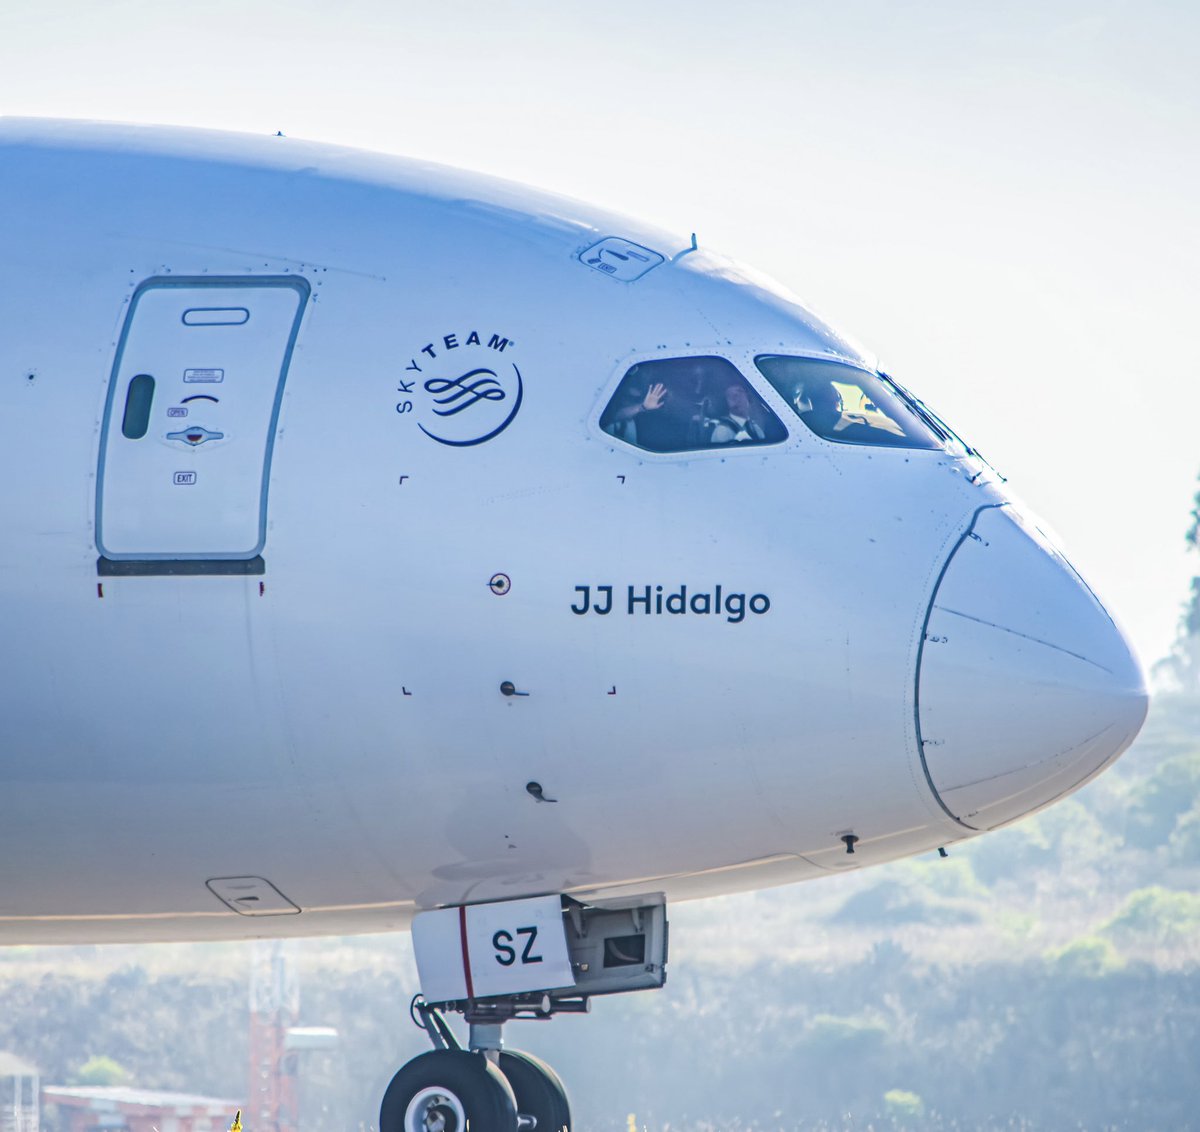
(138, 399)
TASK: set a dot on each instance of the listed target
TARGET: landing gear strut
(608, 947)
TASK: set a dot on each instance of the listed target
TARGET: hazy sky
(1002, 201)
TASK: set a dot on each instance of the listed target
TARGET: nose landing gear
(532, 958)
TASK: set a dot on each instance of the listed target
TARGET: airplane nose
(1025, 686)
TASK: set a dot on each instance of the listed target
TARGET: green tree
(101, 1071)
(1185, 841)
(1183, 665)
(1087, 957)
(1159, 801)
(1158, 913)
(900, 1103)
(843, 1036)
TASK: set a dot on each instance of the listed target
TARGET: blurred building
(276, 1042)
(18, 1095)
(120, 1109)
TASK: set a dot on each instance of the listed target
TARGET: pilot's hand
(655, 396)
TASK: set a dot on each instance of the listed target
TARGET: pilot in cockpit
(819, 405)
(737, 426)
(637, 398)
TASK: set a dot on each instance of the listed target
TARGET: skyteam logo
(461, 390)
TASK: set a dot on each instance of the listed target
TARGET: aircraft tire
(448, 1091)
(538, 1089)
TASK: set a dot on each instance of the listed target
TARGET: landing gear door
(189, 425)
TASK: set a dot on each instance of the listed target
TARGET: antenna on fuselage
(686, 251)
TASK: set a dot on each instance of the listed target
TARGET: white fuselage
(335, 723)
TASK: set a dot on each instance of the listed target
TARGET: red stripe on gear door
(466, 950)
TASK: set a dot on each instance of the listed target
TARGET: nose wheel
(484, 1089)
(539, 1091)
(448, 1090)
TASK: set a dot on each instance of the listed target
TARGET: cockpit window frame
(947, 440)
(737, 359)
(799, 436)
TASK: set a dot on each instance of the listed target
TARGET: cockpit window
(842, 403)
(685, 404)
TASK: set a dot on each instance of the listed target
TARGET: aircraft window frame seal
(606, 394)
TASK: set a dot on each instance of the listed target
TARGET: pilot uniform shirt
(736, 429)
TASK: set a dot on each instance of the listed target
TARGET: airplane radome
(389, 546)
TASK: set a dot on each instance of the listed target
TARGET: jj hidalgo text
(652, 600)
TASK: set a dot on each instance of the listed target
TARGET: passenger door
(189, 425)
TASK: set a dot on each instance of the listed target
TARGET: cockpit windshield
(845, 404)
(689, 404)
